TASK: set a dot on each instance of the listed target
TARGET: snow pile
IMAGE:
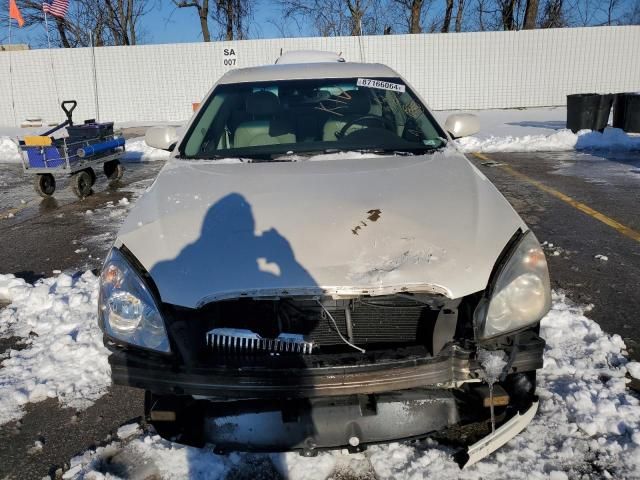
(588, 425)
(64, 356)
(11, 287)
(612, 139)
(9, 152)
(139, 151)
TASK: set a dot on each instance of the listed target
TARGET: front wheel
(44, 184)
(81, 183)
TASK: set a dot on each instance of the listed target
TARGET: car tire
(44, 184)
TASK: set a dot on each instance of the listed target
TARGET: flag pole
(53, 71)
(13, 101)
(95, 76)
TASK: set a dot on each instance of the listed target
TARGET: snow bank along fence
(452, 71)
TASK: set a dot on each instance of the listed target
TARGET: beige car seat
(264, 128)
(357, 106)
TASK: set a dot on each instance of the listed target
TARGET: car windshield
(280, 120)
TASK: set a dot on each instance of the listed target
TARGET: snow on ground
(9, 152)
(588, 425)
(612, 139)
(63, 354)
(537, 130)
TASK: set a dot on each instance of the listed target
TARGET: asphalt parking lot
(584, 206)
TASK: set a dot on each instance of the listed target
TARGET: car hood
(207, 231)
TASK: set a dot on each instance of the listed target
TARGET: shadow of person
(230, 258)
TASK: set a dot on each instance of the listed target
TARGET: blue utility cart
(86, 147)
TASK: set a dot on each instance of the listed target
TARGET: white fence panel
(463, 71)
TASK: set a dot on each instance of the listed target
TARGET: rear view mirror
(163, 138)
(462, 125)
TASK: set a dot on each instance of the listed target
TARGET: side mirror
(462, 125)
(163, 138)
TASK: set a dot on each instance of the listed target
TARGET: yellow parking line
(593, 213)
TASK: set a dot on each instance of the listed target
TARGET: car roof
(303, 71)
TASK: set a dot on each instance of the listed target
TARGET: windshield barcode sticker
(367, 82)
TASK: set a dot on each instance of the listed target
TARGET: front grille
(302, 326)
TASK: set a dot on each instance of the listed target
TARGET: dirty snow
(634, 369)
(139, 151)
(128, 430)
(588, 425)
(63, 355)
(9, 152)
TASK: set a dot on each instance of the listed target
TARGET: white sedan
(317, 267)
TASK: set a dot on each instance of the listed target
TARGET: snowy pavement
(588, 422)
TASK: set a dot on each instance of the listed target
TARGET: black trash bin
(626, 112)
(588, 111)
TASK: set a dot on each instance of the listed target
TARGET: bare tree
(530, 15)
(232, 17)
(202, 7)
(122, 18)
(411, 12)
(416, 15)
(336, 17)
(459, 15)
(447, 16)
(553, 15)
(507, 11)
(106, 22)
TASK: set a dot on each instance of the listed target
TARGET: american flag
(57, 8)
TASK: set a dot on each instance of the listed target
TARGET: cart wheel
(44, 184)
(113, 170)
(81, 184)
(92, 174)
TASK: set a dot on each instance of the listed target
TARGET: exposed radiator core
(243, 340)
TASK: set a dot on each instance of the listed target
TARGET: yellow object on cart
(37, 141)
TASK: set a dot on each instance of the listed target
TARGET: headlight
(521, 293)
(127, 309)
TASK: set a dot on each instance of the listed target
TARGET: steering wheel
(352, 122)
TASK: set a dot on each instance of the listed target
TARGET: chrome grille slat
(242, 340)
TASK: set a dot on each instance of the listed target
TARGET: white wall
(452, 71)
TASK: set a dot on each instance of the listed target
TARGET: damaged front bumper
(310, 409)
(450, 368)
